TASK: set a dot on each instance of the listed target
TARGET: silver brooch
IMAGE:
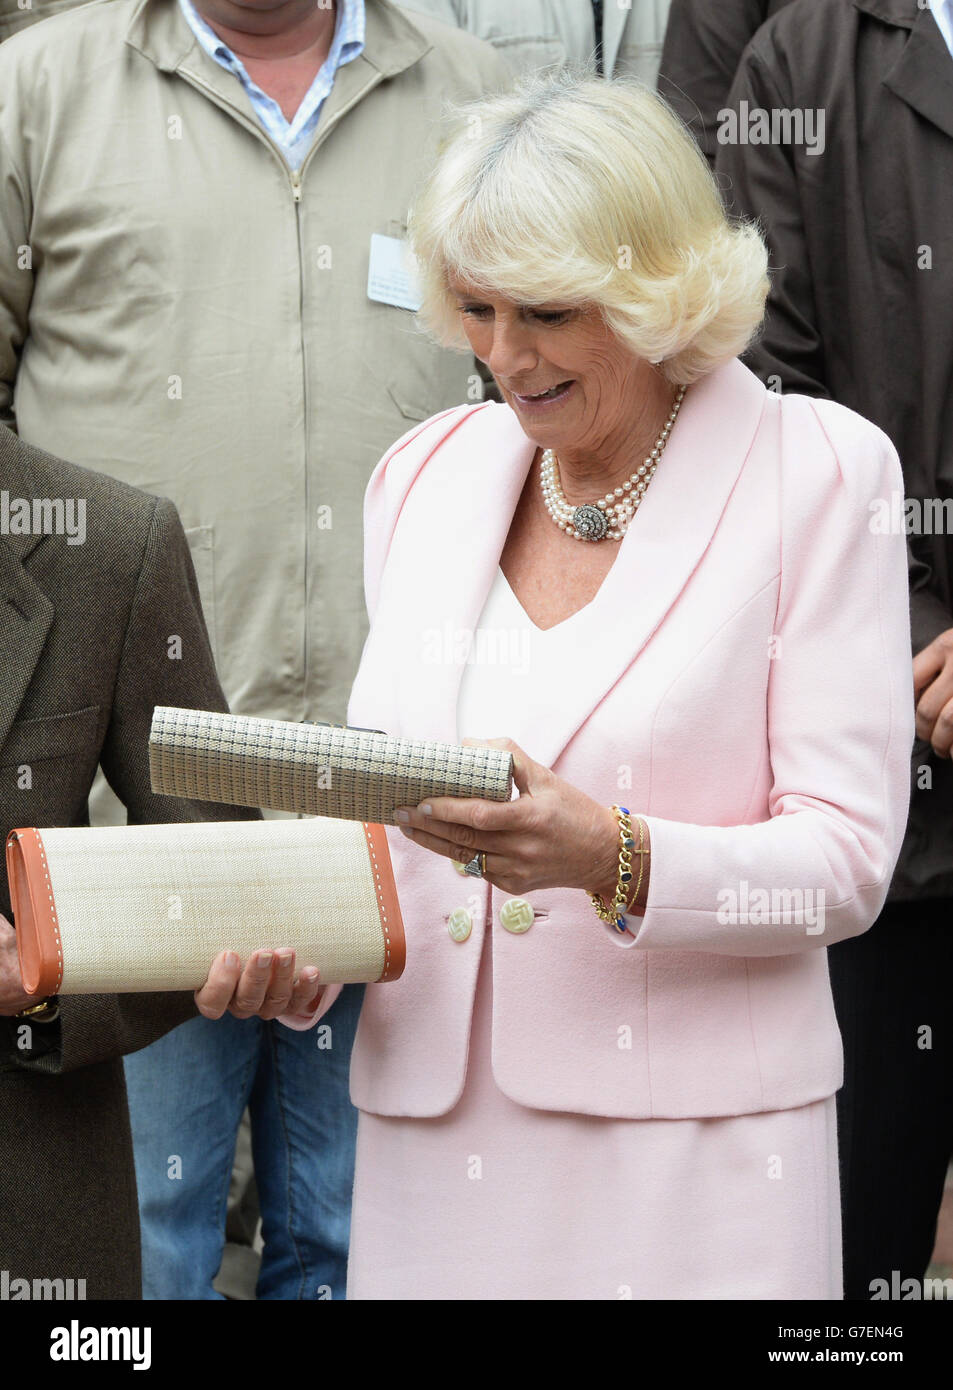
(590, 522)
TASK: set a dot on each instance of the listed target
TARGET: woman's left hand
(552, 836)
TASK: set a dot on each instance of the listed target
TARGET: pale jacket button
(516, 914)
(459, 924)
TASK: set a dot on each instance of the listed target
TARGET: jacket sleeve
(839, 722)
(761, 182)
(166, 605)
(703, 46)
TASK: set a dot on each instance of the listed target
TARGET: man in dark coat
(703, 45)
(96, 579)
(861, 310)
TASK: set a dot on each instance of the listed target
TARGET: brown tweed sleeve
(166, 659)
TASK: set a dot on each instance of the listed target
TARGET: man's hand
(12, 998)
(264, 989)
(933, 692)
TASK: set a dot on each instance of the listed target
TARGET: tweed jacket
(85, 634)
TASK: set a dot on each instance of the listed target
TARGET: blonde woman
(609, 1068)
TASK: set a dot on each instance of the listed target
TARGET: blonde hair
(572, 190)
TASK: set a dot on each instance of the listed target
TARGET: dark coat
(704, 42)
(83, 649)
(861, 303)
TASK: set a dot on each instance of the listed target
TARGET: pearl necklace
(610, 515)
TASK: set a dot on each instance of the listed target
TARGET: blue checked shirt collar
(294, 137)
(943, 14)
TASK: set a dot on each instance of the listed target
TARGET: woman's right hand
(264, 988)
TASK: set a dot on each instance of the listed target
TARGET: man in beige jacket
(202, 293)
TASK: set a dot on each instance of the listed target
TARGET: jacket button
(516, 914)
(459, 924)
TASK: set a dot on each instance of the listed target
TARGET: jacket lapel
(442, 562)
(392, 44)
(922, 75)
(446, 551)
(662, 548)
(26, 614)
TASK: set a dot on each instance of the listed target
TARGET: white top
(512, 667)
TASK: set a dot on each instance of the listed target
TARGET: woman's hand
(552, 836)
(264, 989)
(12, 997)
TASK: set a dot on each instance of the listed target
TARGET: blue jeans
(187, 1094)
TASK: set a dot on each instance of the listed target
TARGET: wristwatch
(45, 1012)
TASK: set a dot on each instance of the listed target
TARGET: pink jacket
(744, 683)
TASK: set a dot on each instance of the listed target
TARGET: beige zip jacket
(179, 310)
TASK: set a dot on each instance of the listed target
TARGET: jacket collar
(441, 574)
(922, 75)
(26, 614)
(904, 13)
(392, 43)
(158, 30)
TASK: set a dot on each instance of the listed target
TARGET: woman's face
(569, 379)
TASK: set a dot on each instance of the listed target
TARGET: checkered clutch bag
(124, 909)
(319, 769)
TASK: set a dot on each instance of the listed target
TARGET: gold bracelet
(641, 852)
(613, 913)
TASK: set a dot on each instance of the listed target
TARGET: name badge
(391, 275)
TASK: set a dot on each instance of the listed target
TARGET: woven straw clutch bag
(319, 769)
(128, 908)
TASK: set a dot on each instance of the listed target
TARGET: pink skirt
(498, 1201)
